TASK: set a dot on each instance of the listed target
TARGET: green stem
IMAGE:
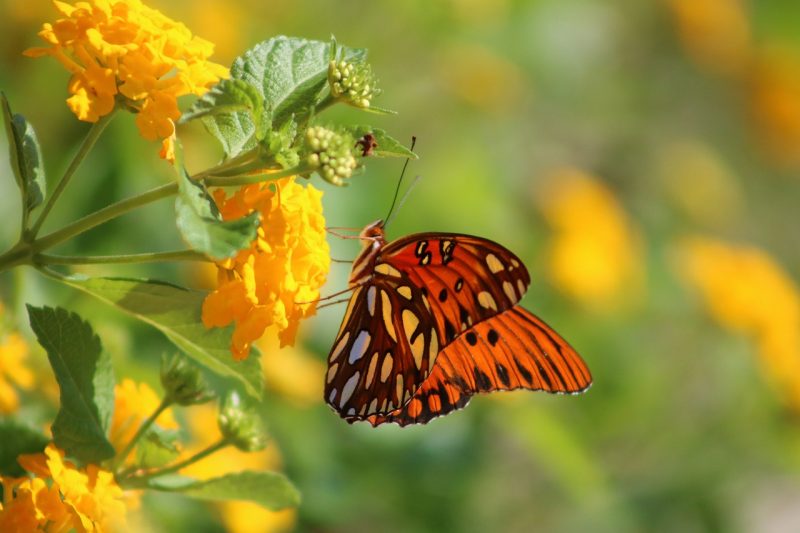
(103, 215)
(141, 480)
(256, 178)
(91, 138)
(120, 459)
(233, 164)
(177, 255)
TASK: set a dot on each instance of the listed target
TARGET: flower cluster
(331, 154)
(594, 254)
(276, 281)
(122, 49)
(60, 497)
(747, 291)
(352, 83)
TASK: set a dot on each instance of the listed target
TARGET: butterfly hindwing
(385, 348)
(513, 350)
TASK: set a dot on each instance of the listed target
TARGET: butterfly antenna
(399, 183)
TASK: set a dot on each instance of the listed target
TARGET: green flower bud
(330, 154)
(241, 425)
(183, 382)
(352, 83)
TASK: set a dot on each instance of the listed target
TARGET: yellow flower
(594, 255)
(775, 102)
(746, 291)
(133, 404)
(716, 33)
(123, 49)
(238, 516)
(276, 280)
(13, 352)
(61, 497)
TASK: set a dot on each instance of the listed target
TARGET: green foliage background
(681, 430)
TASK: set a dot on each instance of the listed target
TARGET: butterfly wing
(385, 348)
(512, 350)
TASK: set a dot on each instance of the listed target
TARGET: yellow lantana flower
(122, 48)
(133, 404)
(61, 497)
(746, 291)
(594, 254)
(277, 279)
(13, 351)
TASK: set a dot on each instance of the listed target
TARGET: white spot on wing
(386, 368)
(332, 371)
(386, 313)
(387, 270)
(339, 347)
(508, 288)
(371, 372)
(486, 300)
(405, 292)
(349, 387)
(360, 346)
(371, 300)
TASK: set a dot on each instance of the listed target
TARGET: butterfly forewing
(385, 348)
(468, 279)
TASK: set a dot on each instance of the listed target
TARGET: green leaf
(388, 146)
(230, 96)
(176, 312)
(157, 448)
(268, 489)
(86, 380)
(26, 158)
(16, 439)
(289, 73)
(201, 225)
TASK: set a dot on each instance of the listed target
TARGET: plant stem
(103, 215)
(255, 178)
(140, 480)
(120, 459)
(91, 138)
(177, 255)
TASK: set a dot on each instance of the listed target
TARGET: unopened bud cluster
(241, 426)
(352, 82)
(183, 382)
(330, 154)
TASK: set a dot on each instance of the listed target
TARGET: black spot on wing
(492, 337)
(443, 295)
(472, 339)
(502, 373)
(483, 381)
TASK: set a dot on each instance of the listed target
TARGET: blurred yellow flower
(133, 404)
(271, 282)
(122, 48)
(238, 516)
(775, 102)
(594, 254)
(746, 291)
(61, 497)
(13, 352)
(291, 372)
(716, 33)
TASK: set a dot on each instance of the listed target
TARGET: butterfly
(432, 320)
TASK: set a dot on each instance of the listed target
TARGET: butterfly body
(433, 319)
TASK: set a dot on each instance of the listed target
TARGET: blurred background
(642, 158)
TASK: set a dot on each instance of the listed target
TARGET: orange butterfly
(432, 320)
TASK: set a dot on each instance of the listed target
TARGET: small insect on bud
(330, 154)
(368, 143)
(183, 382)
(352, 83)
(241, 425)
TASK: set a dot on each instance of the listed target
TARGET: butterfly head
(373, 233)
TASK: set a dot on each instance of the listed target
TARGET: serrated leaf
(229, 96)
(25, 156)
(16, 439)
(176, 312)
(86, 380)
(268, 489)
(289, 73)
(201, 225)
(157, 448)
(388, 146)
